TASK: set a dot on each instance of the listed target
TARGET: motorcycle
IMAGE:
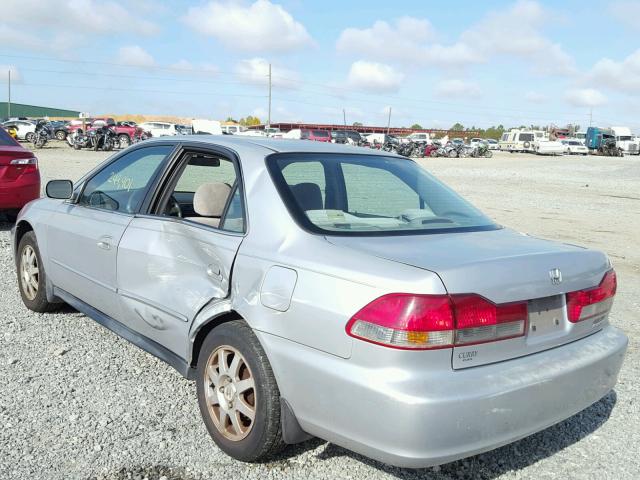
(482, 150)
(104, 138)
(42, 134)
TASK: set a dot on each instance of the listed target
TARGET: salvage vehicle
(576, 147)
(315, 289)
(19, 176)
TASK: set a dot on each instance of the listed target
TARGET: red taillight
(589, 303)
(436, 321)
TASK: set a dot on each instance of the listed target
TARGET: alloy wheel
(29, 272)
(230, 393)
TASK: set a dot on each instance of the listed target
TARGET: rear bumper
(414, 417)
(15, 195)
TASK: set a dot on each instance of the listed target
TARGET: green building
(21, 110)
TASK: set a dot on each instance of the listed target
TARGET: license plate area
(547, 316)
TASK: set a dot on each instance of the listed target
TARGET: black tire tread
(40, 303)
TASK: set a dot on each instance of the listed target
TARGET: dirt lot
(78, 402)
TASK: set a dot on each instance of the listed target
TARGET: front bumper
(415, 416)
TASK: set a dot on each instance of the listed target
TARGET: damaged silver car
(314, 289)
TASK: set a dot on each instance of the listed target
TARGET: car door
(83, 236)
(171, 264)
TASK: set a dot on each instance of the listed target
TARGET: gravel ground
(76, 401)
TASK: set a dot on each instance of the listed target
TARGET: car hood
(501, 265)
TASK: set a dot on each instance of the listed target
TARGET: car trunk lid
(502, 266)
(9, 172)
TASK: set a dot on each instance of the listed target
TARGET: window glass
(5, 138)
(376, 191)
(369, 194)
(202, 193)
(306, 173)
(122, 185)
(234, 219)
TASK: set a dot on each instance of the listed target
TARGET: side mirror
(59, 189)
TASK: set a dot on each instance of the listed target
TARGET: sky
(434, 63)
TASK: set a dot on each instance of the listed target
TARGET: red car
(316, 135)
(19, 176)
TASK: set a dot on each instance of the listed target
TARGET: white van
(233, 129)
(202, 126)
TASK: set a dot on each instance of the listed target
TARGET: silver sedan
(320, 290)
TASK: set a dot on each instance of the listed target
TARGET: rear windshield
(369, 194)
(5, 139)
(320, 133)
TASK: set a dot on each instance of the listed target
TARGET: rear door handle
(104, 243)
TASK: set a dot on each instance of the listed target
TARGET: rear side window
(320, 133)
(122, 185)
(5, 138)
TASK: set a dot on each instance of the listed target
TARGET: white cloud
(136, 56)
(256, 72)
(585, 97)
(457, 88)
(99, 17)
(626, 12)
(516, 31)
(374, 77)
(16, 76)
(404, 39)
(622, 76)
(259, 27)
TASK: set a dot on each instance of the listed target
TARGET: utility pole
(9, 100)
(344, 118)
(389, 121)
(269, 116)
(591, 116)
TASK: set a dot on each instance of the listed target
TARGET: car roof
(265, 146)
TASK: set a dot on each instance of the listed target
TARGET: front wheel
(488, 154)
(125, 141)
(29, 137)
(60, 135)
(31, 275)
(238, 395)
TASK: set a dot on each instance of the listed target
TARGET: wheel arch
(205, 328)
(22, 228)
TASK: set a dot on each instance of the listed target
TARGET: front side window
(122, 185)
(369, 194)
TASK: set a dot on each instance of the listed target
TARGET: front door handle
(104, 243)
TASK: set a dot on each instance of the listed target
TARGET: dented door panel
(168, 270)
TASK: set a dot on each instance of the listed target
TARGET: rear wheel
(31, 275)
(61, 135)
(238, 395)
(29, 137)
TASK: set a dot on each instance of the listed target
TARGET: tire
(32, 285)
(29, 137)
(61, 135)
(452, 154)
(488, 154)
(125, 141)
(76, 146)
(262, 437)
